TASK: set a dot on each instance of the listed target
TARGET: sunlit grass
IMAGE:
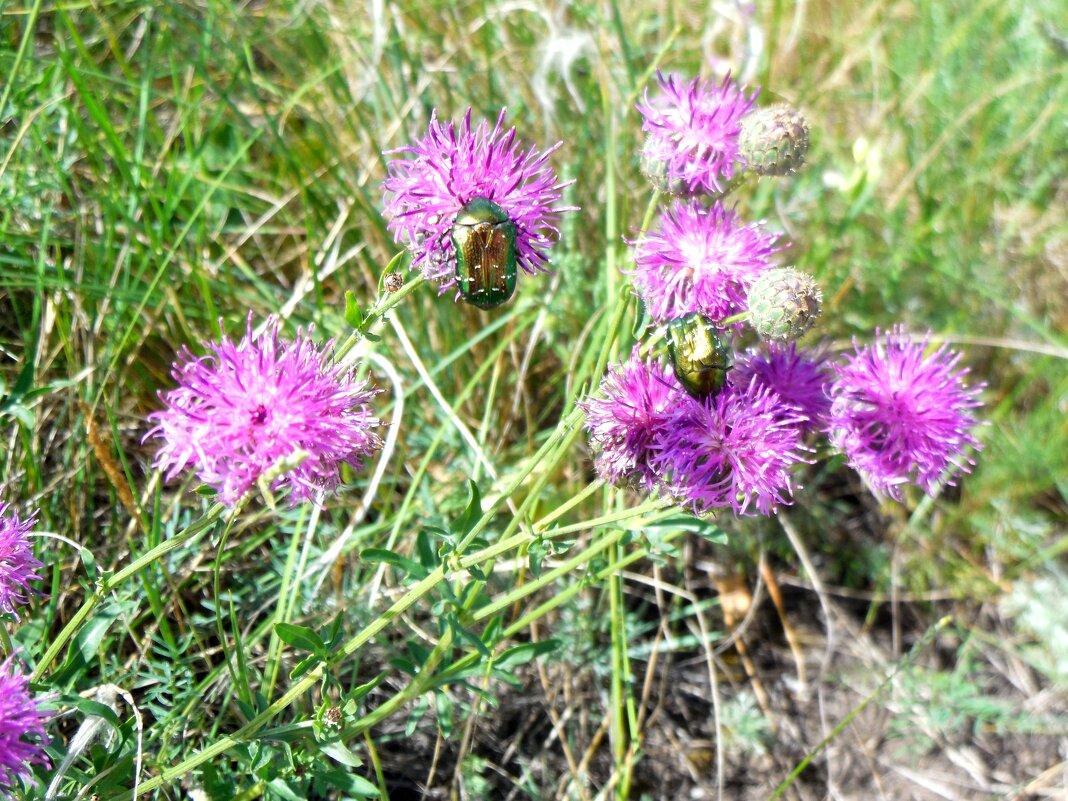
(167, 166)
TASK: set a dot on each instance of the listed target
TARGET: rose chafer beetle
(699, 357)
(483, 238)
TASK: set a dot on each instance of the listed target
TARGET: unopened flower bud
(774, 140)
(783, 304)
(658, 172)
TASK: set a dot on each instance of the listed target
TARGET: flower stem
(105, 586)
(386, 301)
(740, 317)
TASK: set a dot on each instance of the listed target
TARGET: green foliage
(166, 167)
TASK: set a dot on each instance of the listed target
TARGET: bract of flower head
(22, 731)
(800, 377)
(454, 165)
(244, 406)
(901, 415)
(626, 417)
(733, 451)
(699, 259)
(692, 130)
(18, 565)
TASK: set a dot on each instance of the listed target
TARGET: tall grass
(167, 166)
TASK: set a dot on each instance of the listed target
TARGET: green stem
(414, 689)
(569, 504)
(547, 578)
(105, 586)
(377, 764)
(570, 592)
(405, 602)
(564, 432)
(619, 737)
(737, 182)
(615, 517)
(741, 317)
(909, 658)
(385, 302)
(649, 211)
(240, 686)
(27, 37)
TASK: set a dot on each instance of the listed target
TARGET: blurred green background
(167, 165)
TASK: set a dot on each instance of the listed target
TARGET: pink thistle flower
(453, 166)
(22, 732)
(733, 451)
(243, 407)
(800, 378)
(700, 260)
(18, 565)
(693, 129)
(901, 416)
(636, 400)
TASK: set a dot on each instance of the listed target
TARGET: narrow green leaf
(303, 666)
(300, 637)
(393, 558)
(284, 790)
(521, 654)
(339, 752)
(466, 521)
(362, 690)
(352, 309)
(467, 636)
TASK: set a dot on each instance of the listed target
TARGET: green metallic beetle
(698, 356)
(483, 237)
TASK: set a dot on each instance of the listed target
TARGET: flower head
(784, 304)
(773, 140)
(733, 451)
(22, 732)
(902, 416)
(693, 128)
(243, 407)
(700, 260)
(638, 398)
(18, 565)
(455, 165)
(800, 378)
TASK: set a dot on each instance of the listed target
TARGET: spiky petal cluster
(18, 565)
(451, 166)
(902, 416)
(733, 451)
(800, 378)
(635, 402)
(22, 731)
(700, 260)
(244, 406)
(693, 128)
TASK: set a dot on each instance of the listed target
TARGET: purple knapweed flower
(453, 166)
(901, 416)
(700, 260)
(800, 378)
(243, 407)
(22, 732)
(636, 400)
(692, 131)
(733, 451)
(18, 565)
